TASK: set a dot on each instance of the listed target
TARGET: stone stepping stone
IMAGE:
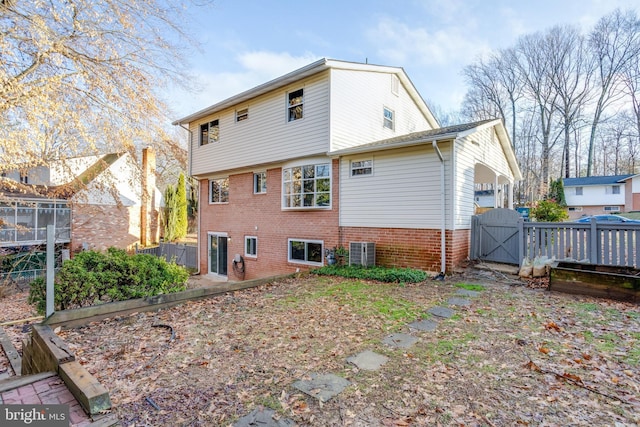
(443, 312)
(400, 340)
(263, 417)
(424, 325)
(461, 302)
(322, 386)
(368, 360)
(467, 293)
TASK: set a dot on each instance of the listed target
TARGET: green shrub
(93, 277)
(548, 211)
(381, 274)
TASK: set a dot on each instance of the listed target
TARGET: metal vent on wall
(362, 253)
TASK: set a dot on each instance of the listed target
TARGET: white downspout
(443, 247)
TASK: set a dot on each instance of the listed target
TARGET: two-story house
(597, 195)
(331, 154)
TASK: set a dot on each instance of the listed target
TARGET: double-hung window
(578, 191)
(295, 105)
(219, 190)
(388, 118)
(305, 251)
(307, 186)
(259, 183)
(209, 132)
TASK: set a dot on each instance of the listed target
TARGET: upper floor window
(295, 104)
(614, 189)
(388, 118)
(362, 167)
(578, 191)
(219, 190)
(24, 178)
(307, 186)
(259, 182)
(242, 115)
(209, 132)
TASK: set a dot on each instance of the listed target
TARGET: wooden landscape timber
(81, 316)
(603, 281)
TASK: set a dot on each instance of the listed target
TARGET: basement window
(305, 251)
(251, 246)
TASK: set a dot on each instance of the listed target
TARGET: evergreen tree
(556, 192)
(181, 208)
(170, 214)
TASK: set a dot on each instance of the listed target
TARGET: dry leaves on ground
(516, 356)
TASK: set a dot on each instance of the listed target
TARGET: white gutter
(443, 247)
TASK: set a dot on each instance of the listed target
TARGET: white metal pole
(51, 240)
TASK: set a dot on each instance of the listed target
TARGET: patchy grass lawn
(516, 356)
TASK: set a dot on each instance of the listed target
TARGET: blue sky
(247, 42)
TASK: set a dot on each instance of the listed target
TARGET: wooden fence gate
(495, 236)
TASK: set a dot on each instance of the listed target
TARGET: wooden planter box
(605, 281)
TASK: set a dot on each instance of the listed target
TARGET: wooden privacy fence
(503, 236)
(185, 255)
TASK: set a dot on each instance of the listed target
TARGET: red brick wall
(260, 215)
(103, 226)
(414, 248)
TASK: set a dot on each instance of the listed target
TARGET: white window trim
(297, 261)
(248, 255)
(385, 120)
(307, 162)
(351, 168)
(242, 112)
(254, 182)
(209, 141)
(289, 106)
(611, 209)
(211, 185)
(581, 189)
(575, 208)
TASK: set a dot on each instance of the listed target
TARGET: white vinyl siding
(595, 195)
(357, 101)
(483, 148)
(404, 192)
(267, 136)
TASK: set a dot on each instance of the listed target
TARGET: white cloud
(401, 44)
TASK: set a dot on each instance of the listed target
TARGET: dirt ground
(517, 356)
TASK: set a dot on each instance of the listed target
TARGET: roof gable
(306, 71)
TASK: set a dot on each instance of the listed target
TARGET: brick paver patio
(51, 390)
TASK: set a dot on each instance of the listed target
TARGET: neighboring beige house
(597, 195)
(338, 154)
(95, 202)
